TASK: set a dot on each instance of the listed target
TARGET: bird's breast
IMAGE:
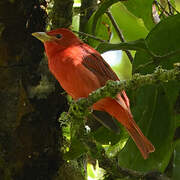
(74, 78)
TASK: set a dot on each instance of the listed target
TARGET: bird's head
(57, 40)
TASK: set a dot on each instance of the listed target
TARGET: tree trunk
(31, 100)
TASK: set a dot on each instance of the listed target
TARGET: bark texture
(31, 100)
(62, 13)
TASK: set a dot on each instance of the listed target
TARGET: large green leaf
(132, 27)
(143, 63)
(141, 9)
(154, 114)
(101, 30)
(101, 10)
(172, 89)
(163, 42)
(164, 38)
(124, 70)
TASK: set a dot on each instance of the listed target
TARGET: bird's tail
(143, 144)
(125, 117)
(121, 111)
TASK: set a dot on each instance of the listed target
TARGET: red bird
(80, 69)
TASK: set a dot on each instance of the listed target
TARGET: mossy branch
(79, 109)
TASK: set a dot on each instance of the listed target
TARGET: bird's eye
(58, 36)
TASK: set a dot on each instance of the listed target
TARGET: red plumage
(80, 69)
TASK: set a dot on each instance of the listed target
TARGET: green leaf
(101, 29)
(101, 10)
(141, 9)
(105, 136)
(172, 89)
(154, 115)
(164, 38)
(133, 45)
(132, 27)
(163, 42)
(77, 149)
(113, 150)
(124, 69)
(176, 163)
(143, 63)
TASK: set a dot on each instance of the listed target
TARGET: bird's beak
(42, 36)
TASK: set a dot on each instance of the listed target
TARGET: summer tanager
(80, 69)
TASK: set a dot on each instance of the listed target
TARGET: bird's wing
(93, 61)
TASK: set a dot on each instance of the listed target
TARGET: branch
(80, 108)
(119, 33)
(90, 36)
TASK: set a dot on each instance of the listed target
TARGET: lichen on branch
(80, 108)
